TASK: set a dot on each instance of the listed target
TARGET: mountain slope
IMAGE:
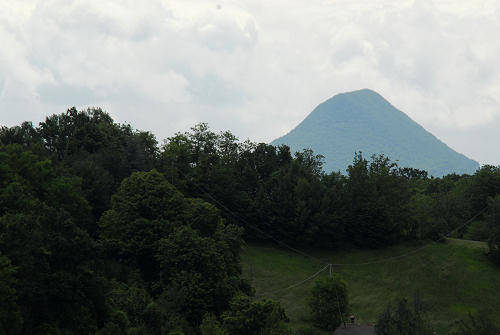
(364, 121)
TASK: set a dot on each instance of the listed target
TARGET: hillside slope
(364, 121)
(453, 280)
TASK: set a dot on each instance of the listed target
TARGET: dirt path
(355, 330)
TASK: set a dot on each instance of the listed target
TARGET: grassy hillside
(453, 278)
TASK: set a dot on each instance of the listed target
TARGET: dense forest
(104, 230)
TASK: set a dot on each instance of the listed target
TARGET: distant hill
(364, 121)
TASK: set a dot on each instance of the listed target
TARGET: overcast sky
(255, 67)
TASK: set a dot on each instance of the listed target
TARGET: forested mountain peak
(364, 121)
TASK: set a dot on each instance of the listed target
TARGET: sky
(254, 67)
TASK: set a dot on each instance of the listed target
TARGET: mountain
(364, 121)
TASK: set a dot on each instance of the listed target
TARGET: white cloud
(254, 67)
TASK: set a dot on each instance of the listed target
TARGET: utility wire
(464, 224)
(298, 283)
(383, 260)
(242, 220)
(330, 265)
(442, 238)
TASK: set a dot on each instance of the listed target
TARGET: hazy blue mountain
(364, 121)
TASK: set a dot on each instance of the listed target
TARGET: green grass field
(454, 278)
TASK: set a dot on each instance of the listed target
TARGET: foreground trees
(10, 317)
(493, 224)
(329, 303)
(43, 220)
(186, 256)
(93, 239)
(407, 318)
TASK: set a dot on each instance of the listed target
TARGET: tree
(477, 325)
(25, 135)
(183, 250)
(97, 149)
(200, 269)
(44, 219)
(485, 183)
(493, 224)
(377, 196)
(405, 319)
(211, 326)
(245, 317)
(145, 209)
(328, 302)
(10, 316)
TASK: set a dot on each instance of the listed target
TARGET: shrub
(309, 331)
(210, 326)
(478, 231)
(405, 319)
(245, 317)
(328, 302)
(493, 220)
(477, 326)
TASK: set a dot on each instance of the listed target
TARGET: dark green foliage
(309, 331)
(479, 324)
(493, 220)
(145, 209)
(377, 197)
(245, 317)
(92, 243)
(364, 121)
(43, 222)
(180, 245)
(275, 195)
(92, 145)
(200, 270)
(211, 326)
(405, 319)
(132, 310)
(258, 186)
(485, 184)
(477, 231)
(97, 149)
(10, 317)
(25, 135)
(329, 302)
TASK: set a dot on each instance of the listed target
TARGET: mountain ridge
(364, 121)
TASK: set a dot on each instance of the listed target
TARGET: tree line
(104, 230)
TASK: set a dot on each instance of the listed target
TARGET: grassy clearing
(453, 278)
(468, 243)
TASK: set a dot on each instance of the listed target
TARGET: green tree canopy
(10, 316)
(43, 231)
(181, 245)
(329, 302)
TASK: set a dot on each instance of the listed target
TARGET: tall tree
(97, 149)
(10, 316)
(181, 246)
(377, 196)
(43, 223)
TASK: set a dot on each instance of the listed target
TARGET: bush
(328, 302)
(405, 319)
(493, 220)
(477, 231)
(245, 317)
(210, 326)
(309, 331)
(477, 326)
